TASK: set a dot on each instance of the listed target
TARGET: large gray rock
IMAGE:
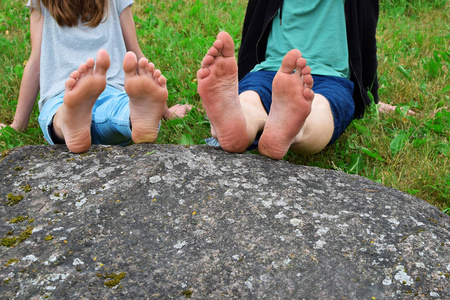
(159, 221)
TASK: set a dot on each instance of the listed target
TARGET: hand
(384, 107)
(2, 126)
(177, 111)
(13, 126)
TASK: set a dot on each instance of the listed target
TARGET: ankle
(55, 134)
(55, 138)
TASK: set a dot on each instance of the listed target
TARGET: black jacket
(361, 19)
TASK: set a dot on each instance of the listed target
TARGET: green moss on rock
(9, 241)
(114, 278)
(26, 188)
(13, 240)
(11, 261)
(18, 219)
(187, 293)
(25, 234)
(13, 199)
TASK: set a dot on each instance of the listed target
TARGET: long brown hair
(69, 12)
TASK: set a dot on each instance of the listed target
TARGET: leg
(148, 95)
(332, 111)
(318, 129)
(111, 123)
(72, 121)
(218, 89)
(292, 101)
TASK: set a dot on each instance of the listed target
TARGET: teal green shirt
(315, 27)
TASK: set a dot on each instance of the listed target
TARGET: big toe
(289, 63)
(130, 63)
(228, 43)
(103, 62)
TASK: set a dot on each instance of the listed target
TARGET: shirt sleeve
(122, 4)
(31, 4)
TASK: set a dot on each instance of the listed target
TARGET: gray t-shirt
(64, 48)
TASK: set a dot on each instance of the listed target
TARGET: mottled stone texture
(180, 222)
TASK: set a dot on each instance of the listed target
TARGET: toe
(228, 44)
(162, 81)
(103, 62)
(207, 61)
(203, 73)
(70, 83)
(143, 66)
(289, 63)
(82, 69)
(75, 75)
(151, 67)
(214, 51)
(130, 63)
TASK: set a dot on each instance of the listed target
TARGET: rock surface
(162, 221)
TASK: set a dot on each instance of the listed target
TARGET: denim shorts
(110, 118)
(338, 91)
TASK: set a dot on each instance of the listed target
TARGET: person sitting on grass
(267, 98)
(118, 98)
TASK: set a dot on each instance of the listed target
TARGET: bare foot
(72, 121)
(148, 95)
(218, 89)
(291, 104)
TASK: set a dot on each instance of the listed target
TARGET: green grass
(410, 153)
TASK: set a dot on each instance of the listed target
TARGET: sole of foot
(292, 99)
(218, 89)
(82, 90)
(147, 90)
